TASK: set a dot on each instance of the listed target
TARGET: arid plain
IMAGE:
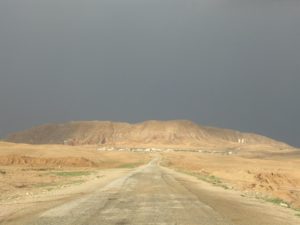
(235, 178)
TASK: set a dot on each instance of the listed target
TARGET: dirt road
(154, 195)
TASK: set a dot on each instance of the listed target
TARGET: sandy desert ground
(38, 178)
(40, 175)
(273, 177)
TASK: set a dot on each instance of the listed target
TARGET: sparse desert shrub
(277, 201)
(207, 178)
(72, 173)
(20, 185)
(129, 165)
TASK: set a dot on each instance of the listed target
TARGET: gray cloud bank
(233, 64)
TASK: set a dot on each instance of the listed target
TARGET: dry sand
(34, 178)
(151, 195)
(272, 177)
(43, 176)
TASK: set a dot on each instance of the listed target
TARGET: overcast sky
(225, 63)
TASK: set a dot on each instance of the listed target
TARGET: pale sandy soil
(64, 153)
(36, 177)
(34, 199)
(268, 177)
(151, 195)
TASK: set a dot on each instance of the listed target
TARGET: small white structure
(241, 141)
(282, 204)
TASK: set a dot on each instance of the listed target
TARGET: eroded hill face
(178, 133)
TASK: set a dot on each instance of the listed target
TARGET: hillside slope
(149, 133)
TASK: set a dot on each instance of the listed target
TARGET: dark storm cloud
(233, 64)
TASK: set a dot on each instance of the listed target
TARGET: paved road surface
(153, 195)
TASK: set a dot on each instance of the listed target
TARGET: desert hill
(175, 133)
